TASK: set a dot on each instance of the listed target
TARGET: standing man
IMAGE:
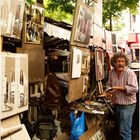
(124, 85)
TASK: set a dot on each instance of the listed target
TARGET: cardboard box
(11, 128)
(94, 133)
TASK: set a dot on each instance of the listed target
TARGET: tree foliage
(63, 5)
(111, 8)
(63, 9)
(114, 8)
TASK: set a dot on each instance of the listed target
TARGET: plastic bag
(77, 125)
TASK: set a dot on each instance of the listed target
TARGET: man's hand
(109, 96)
(106, 95)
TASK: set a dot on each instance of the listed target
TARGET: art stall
(76, 69)
(87, 86)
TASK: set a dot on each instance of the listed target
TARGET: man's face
(120, 64)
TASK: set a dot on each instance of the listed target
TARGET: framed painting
(18, 24)
(99, 64)
(85, 67)
(108, 38)
(34, 27)
(82, 24)
(7, 16)
(97, 35)
(76, 63)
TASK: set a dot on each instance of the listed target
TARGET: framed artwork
(99, 64)
(109, 46)
(34, 27)
(7, 17)
(76, 63)
(75, 90)
(85, 67)
(115, 48)
(98, 13)
(97, 36)
(13, 84)
(18, 24)
(82, 24)
(85, 83)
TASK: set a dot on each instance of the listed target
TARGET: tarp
(53, 30)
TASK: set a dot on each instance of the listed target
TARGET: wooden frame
(99, 64)
(7, 11)
(12, 64)
(109, 47)
(82, 25)
(34, 25)
(18, 24)
(78, 85)
(76, 62)
(85, 67)
(97, 35)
